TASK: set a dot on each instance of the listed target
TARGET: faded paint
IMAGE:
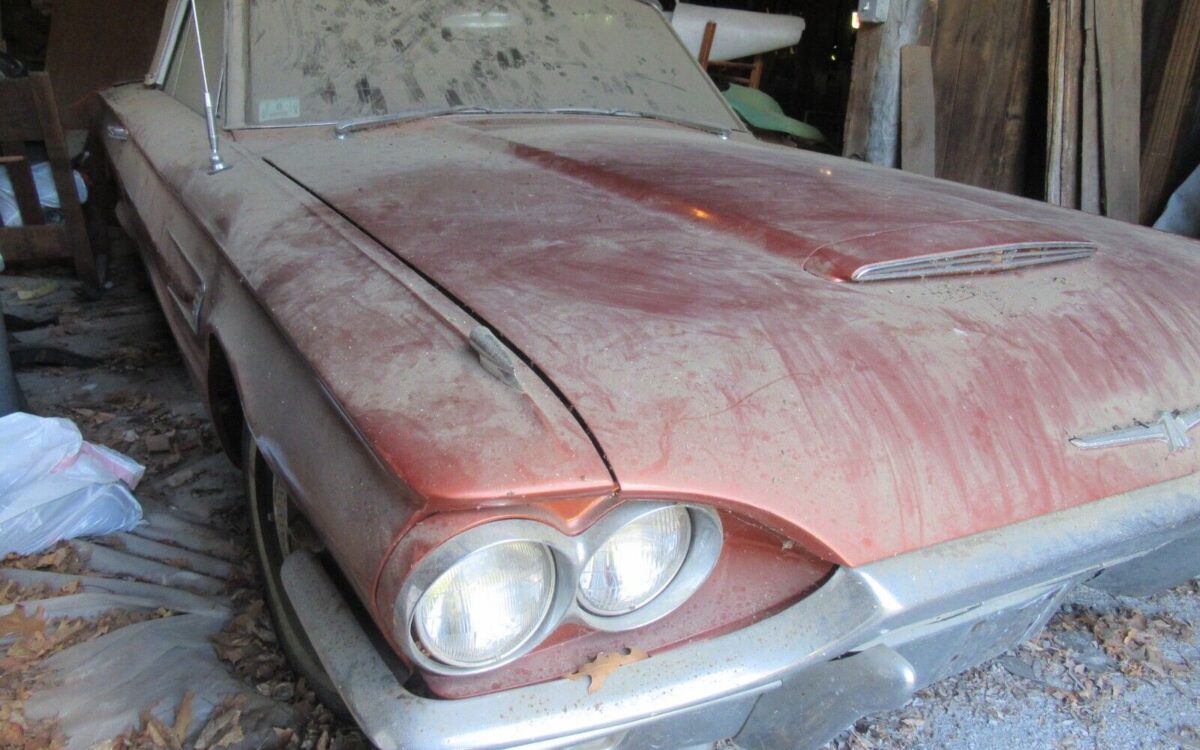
(664, 281)
(657, 277)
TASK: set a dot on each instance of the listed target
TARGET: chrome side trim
(976, 260)
(1171, 428)
(901, 603)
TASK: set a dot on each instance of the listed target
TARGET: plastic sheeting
(1183, 210)
(55, 485)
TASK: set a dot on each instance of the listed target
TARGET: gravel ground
(1107, 672)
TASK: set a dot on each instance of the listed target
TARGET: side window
(183, 77)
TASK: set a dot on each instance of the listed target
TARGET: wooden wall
(1074, 101)
(96, 44)
(984, 69)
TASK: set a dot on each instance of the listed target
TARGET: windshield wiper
(344, 129)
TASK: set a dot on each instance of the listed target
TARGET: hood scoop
(950, 249)
(980, 260)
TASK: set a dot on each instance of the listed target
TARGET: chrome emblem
(1170, 427)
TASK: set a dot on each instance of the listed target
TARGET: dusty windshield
(335, 60)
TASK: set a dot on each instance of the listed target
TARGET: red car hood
(683, 293)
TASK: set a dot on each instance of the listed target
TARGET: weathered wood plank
(33, 243)
(1066, 88)
(983, 67)
(1119, 46)
(918, 111)
(1089, 150)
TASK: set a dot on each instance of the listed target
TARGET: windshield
(337, 60)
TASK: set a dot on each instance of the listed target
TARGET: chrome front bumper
(861, 644)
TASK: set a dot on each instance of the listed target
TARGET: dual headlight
(496, 590)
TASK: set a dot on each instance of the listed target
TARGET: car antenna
(216, 163)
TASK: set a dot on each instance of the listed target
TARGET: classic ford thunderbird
(573, 416)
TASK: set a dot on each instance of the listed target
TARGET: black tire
(260, 485)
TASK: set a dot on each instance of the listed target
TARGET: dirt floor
(1106, 673)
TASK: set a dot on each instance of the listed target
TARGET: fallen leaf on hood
(18, 623)
(598, 669)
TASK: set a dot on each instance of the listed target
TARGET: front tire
(270, 532)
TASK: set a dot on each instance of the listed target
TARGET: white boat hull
(740, 33)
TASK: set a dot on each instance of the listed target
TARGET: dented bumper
(863, 643)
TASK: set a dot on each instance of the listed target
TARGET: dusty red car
(535, 359)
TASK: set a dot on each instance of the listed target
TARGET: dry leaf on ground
(183, 716)
(22, 625)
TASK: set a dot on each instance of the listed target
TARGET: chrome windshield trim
(343, 129)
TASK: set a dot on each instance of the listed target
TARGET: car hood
(688, 296)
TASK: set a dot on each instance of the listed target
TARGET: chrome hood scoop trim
(975, 260)
(954, 247)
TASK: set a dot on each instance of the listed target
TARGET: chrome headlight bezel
(570, 555)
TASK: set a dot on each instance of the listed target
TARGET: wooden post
(873, 111)
(706, 43)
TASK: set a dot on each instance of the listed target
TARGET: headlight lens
(487, 605)
(636, 563)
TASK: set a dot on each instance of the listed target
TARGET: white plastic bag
(54, 485)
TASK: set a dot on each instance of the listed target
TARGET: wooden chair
(746, 73)
(28, 115)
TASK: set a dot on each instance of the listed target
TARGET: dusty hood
(678, 289)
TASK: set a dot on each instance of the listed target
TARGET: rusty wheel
(277, 530)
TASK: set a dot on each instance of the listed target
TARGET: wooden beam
(1168, 124)
(873, 110)
(918, 111)
(1119, 46)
